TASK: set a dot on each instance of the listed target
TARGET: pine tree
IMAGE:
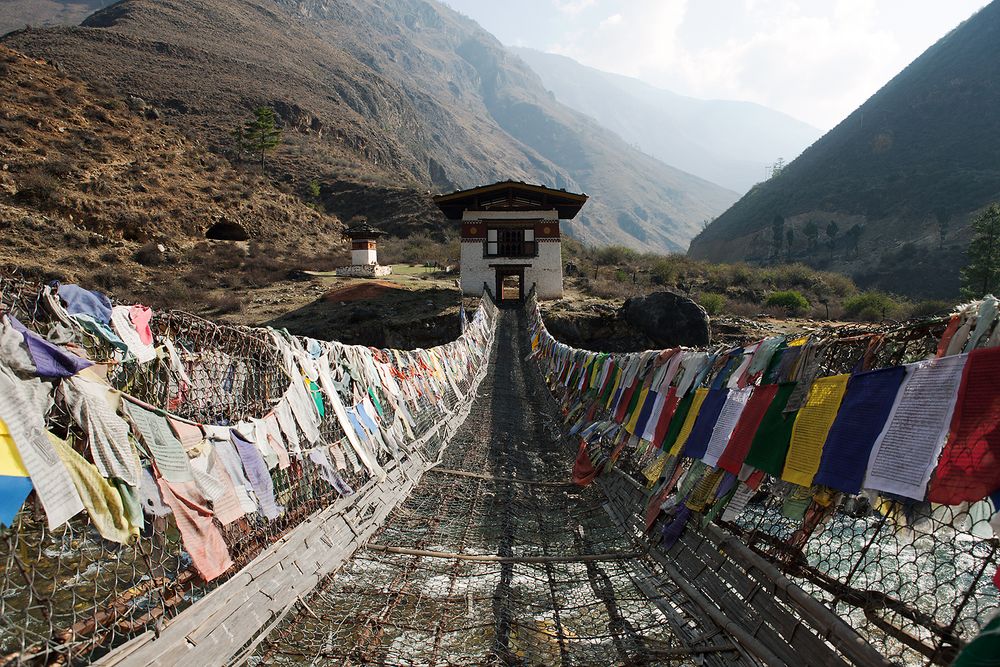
(260, 135)
(832, 229)
(777, 235)
(981, 276)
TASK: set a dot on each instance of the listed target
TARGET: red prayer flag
(623, 404)
(948, 334)
(742, 437)
(669, 407)
(583, 470)
(969, 468)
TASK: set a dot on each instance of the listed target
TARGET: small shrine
(364, 253)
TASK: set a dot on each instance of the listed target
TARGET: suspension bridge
(427, 508)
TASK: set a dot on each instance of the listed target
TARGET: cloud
(614, 19)
(573, 7)
(815, 61)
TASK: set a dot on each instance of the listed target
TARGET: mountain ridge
(402, 93)
(900, 176)
(729, 142)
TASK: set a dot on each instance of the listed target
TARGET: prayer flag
(969, 468)
(692, 416)
(811, 428)
(736, 402)
(708, 416)
(863, 412)
(742, 436)
(906, 450)
(770, 442)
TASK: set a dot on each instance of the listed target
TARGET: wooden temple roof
(510, 196)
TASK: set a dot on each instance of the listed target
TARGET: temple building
(511, 237)
(364, 253)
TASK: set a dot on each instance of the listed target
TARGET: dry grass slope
(91, 189)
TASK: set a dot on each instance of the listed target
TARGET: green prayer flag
(770, 442)
(677, 421)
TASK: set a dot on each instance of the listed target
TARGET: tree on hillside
(943, 222)
(777, 167)
(981, 276)
(832, 230)
(777, 234)
(811, 231)
(854, 237)
(260, 135)
(790, 237)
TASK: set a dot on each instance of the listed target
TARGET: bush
(930, 308)
(712, 303)
(790, 301)
(39, 188)
(663, 271)
(793, 275)
(871, 306)
(613, 255)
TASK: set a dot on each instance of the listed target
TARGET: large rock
(668, 319)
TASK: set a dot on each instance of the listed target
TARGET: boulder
(668, 319)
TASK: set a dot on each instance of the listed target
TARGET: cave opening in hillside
(226, 231)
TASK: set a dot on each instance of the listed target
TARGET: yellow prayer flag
(631, 422)
(811, 428)
(614, 388)
(699, 397)
(10, 460)
(103, 502)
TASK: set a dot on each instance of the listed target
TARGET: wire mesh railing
(311, 422)
(912, 575)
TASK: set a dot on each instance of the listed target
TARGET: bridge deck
(547, 576)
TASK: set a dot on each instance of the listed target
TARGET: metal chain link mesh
(67, 595)
(914, 579)
(573, 588)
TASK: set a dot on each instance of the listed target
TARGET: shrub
(793, 275)
(790, 301)
(712, 303)
(741, 274)
(871, 306)
(930, 308)
(613, 255)
(38, 187)
(663, 271)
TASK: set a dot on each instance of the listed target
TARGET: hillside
(96, 192)
(398, 95)
(900, 177)
(726, 142)
(16, 14)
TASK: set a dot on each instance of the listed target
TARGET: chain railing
(68, 595)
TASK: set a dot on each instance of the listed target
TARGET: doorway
(510, 285)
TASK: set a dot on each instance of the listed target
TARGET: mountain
(378, 95)
(98, 191)
(900, 177)
(726, 142)
(16, 14)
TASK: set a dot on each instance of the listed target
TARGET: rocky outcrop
(668, 319)
(661, 319)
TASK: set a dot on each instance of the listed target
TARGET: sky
(816, 60)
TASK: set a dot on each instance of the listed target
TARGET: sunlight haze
(816, 61)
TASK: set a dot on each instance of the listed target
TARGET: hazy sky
(816, 60)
